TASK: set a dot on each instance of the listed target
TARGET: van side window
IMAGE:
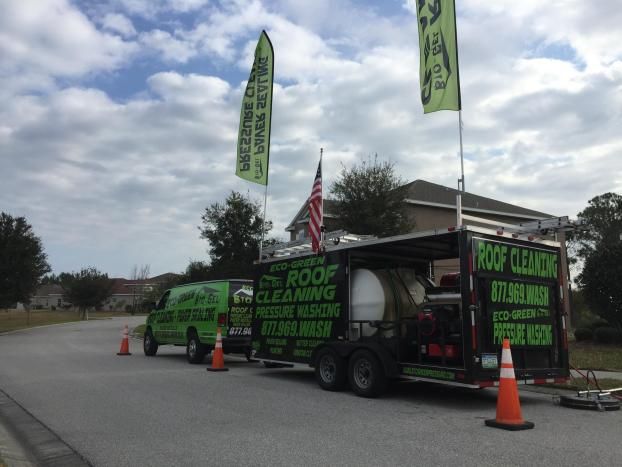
(162, 303)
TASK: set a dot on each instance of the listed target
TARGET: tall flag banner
(438, 55)
(256, 116)
(316, 210)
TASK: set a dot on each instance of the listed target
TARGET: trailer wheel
(195, 351)
(330, 370)
(150, 345)
(367, 378)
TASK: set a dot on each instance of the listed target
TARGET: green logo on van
(270, 282)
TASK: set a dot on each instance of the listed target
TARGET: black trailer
(428, 306)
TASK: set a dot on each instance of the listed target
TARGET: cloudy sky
(118, 119)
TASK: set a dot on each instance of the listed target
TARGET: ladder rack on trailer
(304, 245)
(537, 227)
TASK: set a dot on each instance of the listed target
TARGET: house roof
(48, 289)
(303, 212)
(166, 277)
(427, 193)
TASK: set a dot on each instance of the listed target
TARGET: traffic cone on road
(509, 415)
(218, 359)
(125, 343)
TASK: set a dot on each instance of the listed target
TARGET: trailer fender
(346, 349)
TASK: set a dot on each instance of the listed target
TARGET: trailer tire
(330, 370)
(366, 374)
(195, 351)
(150, 345)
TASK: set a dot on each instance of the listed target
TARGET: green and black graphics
(240, 310)
(518, 289)
(299, 303)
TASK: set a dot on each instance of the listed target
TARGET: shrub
(607, 335)
(583, 334)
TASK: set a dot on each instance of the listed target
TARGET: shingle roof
(48, 289)
(423, 192)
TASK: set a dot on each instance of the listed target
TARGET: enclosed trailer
(428, 306)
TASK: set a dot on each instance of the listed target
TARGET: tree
(603, 222)
(22, 260)
(600, 279)
(600, 247)
(197, 271)
(86, 289)
(234, 230)
(369, 199)
(139, 275)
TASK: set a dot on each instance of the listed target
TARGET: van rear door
(240, 311)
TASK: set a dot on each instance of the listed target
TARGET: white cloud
(54, 38)
(541, 87)
(170, 48)
(151, 8)
(119, 23)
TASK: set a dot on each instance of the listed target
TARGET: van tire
(330, 370)
(195, 351)
(150, 345)
(366, 374)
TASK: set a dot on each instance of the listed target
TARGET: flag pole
(322, 229)
(461, 180)
(263, 222)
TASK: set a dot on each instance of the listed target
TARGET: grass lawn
(12, 320)
(587, 355)
(579, 384)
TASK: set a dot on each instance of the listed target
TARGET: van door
(240, 311)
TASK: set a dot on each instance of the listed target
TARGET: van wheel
(150, 345)
(195, 352)
(366, 375)
(330, 370)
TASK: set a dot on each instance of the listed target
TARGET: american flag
(315, 210)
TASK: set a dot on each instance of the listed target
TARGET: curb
(28, 442)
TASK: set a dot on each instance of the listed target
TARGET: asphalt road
(161, 411)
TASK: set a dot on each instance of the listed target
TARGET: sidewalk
(599, 374)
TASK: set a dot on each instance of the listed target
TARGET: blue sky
(118, 119)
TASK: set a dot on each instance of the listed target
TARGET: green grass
(578, 384)
(586, 355)
(13, 320)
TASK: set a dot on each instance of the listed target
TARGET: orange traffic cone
(509, 415)
(125, 343)
(218, 360)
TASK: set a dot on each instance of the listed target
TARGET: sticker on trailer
(489, 361)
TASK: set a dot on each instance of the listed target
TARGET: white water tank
(376, 295)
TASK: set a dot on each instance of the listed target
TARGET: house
(49, 296)
(127, 294)
(430, 206)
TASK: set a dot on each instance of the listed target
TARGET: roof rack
(538, 227)
(304, 244)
